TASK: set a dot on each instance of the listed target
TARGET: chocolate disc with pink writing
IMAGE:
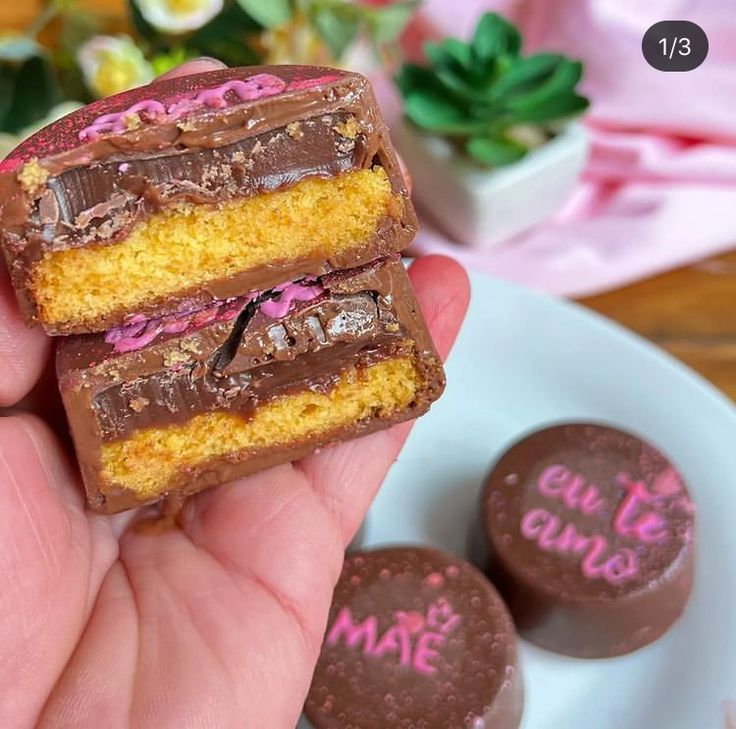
(416, 638)
(590, 535)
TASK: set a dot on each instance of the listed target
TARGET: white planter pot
(482, 208)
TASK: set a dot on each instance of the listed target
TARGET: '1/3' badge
(675, 45)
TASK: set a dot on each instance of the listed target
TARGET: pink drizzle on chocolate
(413, 639)
(635, 517)
(138, 331)
(260, 86)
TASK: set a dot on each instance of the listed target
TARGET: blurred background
(542, 146)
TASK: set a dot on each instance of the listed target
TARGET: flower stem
(43, 19)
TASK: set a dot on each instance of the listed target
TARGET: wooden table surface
(690, 312)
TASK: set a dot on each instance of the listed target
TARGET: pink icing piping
(260, 86)
(632, 519)
(137, 332)
(413, 640)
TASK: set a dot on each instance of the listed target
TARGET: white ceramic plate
(524, 360)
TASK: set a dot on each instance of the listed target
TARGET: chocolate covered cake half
(197, 189)
(195, 398)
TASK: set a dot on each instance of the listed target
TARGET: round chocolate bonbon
(416, 638)
(590, 538)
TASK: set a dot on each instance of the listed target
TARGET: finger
(24, 351)
(348, 476)
(196, 65)
(45, 564)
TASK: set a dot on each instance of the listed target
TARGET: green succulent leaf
(560, 84)
(555, 108)
(458, 51)
(337, 25)
(492, 152)
(524, 73)
(268, 13)
(387, 23)
(477, 93)
(412, 77)
(432, 111)
(494, 37)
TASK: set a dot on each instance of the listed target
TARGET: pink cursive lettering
(551, 536)
(558, 482)
(647, 527)
(354, 634)
(413, 639)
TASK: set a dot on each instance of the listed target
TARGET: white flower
(179, 16)
(113, 63)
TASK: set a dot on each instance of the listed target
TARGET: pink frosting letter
(425, 652)
(353, 633)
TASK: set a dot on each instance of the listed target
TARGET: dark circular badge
(675, 45)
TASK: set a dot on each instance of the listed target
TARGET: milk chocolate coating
(365, 315)
(415, 638)
(98, 189)
(589, 536)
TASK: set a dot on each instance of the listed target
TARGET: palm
(117, 622)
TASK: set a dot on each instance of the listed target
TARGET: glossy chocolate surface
(415, 638)
(590, 533)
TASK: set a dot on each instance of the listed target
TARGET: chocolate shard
(98, 180)
(187, 401)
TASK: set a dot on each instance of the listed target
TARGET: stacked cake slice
(223, 250)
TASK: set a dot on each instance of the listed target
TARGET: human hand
(216, 622)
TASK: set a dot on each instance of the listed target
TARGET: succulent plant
(488, 98)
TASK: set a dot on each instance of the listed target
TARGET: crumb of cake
(349, 128)
(131, 121)
(186, 125)
(189, 344)
(294, 130)
(238, 157)
(174, 358)
(138, 403)
(32, 176)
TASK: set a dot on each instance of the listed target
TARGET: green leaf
(494, 36)
(460, 52)
(141, 26)
(440, 115)
(268, 13)
(29, 90)
(229, 37)
(337, 25)
(556, 92)
(385, 24)
(553, 109)
(494, 152)
(416, 78)
(524, 73)
(163, 62)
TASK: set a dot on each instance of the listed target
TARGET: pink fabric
(660, 187)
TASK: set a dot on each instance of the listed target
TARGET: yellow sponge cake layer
(188, 245)
(376, 391)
